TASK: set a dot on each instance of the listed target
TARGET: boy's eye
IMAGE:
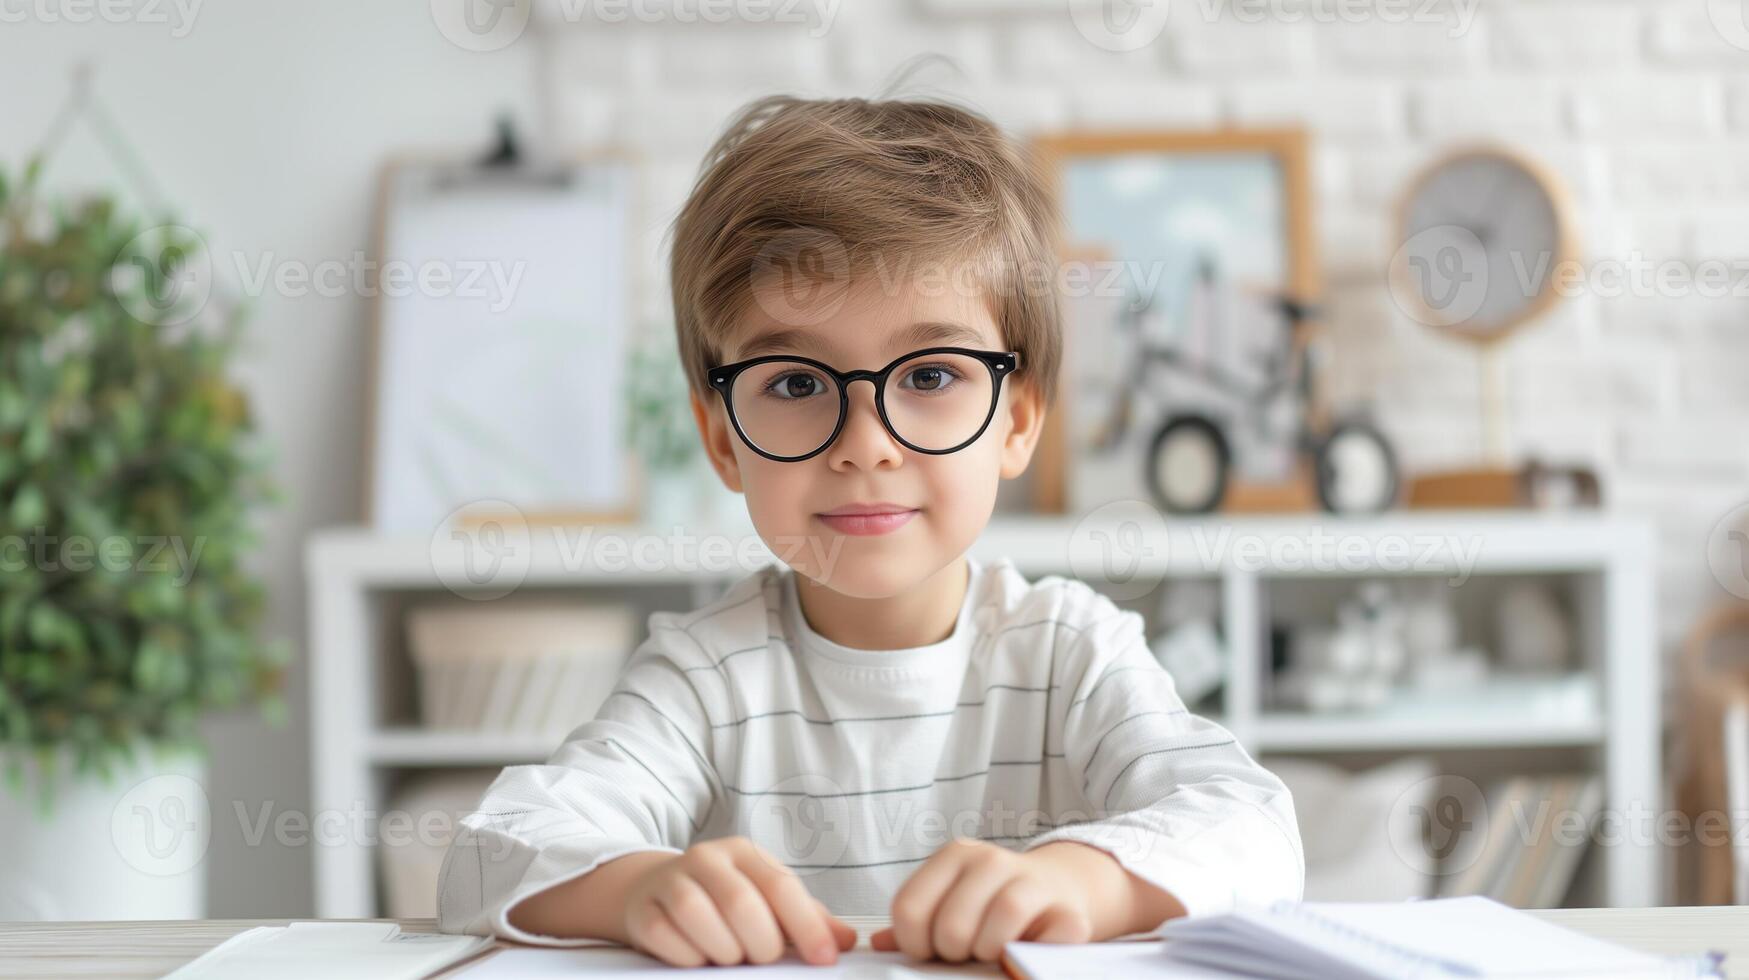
(932, 377)
(795, 384)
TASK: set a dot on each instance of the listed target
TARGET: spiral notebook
(1452, 937)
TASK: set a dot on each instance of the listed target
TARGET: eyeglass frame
(1000, 364)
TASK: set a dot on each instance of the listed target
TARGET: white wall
(265, 125)
(1641, 107)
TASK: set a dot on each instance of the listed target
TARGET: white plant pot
(133, 847)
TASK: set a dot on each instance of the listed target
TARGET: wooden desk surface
(127, 950)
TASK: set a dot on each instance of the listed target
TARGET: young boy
(887, 726)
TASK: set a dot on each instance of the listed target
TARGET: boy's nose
(864, 443)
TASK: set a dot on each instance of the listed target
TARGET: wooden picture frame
(622, 508)
(1287, 152)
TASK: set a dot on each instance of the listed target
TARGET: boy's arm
(592, 906)
(635, 779)
(1172, 797)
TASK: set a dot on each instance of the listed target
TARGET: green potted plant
(661, 431)
(128, 477)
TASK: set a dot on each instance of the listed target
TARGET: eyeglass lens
(933, 401)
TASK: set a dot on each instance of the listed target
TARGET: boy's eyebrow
(926, 333)
(786, 342)
(935, 333)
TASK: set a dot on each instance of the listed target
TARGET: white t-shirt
(1044, 716)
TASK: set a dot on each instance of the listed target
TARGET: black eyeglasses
(937, 400)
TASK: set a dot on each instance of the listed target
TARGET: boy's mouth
(866, 519)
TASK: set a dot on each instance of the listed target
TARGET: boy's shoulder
(741, 619)
(1066, 600)
(1085, 631)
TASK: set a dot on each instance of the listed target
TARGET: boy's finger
(1011, 912)
(801, 915)
(884, 940)
(1055, 925)
(744, 908)
(659, 938)
(914, 905)
(693, 912)
(842, 932)
(962, 909)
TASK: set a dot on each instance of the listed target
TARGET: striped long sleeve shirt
(1043, 716)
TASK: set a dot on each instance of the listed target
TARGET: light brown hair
(864, 187)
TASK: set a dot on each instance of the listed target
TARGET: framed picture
(1183, 252)
(503, 309)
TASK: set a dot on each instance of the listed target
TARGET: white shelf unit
(365, 733)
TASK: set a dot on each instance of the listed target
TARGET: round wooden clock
(1481, 234)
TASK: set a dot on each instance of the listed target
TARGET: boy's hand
(728, 901)
(972, 897)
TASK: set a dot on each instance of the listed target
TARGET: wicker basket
(517, 667)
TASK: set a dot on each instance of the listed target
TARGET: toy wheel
(1187, 465)
(1357, 470)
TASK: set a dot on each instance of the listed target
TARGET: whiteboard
(503, 311)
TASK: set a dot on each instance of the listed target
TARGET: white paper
(1453, 937)
(1133, 960)
(331, 951)
(524, 963)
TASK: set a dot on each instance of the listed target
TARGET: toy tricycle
(1190, 456)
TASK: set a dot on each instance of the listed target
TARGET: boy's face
(865, 327)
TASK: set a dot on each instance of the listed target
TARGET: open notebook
(1454, 937)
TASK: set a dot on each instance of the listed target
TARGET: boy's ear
(1026, 421)
(719, 445)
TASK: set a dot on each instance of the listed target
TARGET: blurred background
(1406, 374)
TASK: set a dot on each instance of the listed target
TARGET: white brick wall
(1565, 37)
(1641, 107)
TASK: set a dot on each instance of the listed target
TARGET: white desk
(130, 950)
